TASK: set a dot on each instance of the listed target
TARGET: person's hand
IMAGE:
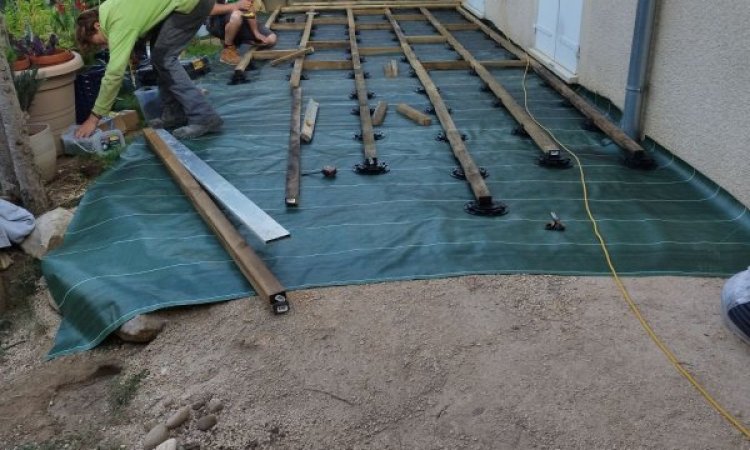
(243, 5)
(87, 127)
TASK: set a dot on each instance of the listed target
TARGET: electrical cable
(623, 290)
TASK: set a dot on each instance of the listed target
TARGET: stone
(178, 418)
(169, 444)
(205, 423)
(140, 329)
(156, 436)
(191, 446)
(5, 260)
(48, 233)
(215, 405)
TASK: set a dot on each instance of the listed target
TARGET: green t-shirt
(123, 22)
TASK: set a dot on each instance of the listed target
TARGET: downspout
(632, 114)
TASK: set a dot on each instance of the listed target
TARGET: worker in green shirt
(118, 24)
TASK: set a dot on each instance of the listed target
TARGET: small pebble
(215, 405)
(156, 436)
(169, 444)
(178, 418)
(205, 423)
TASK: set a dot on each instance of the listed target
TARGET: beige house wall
(698, 99)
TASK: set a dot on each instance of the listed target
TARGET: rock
(140, 329)
(178, 418)
(48, 233)
(156, 436)
(169, 444)
(191, 446)
(5, 260)
(215, 405)
(205, 423)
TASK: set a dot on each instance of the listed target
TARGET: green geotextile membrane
(136, 244)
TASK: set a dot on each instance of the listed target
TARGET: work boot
(167, 123)
(195, 130)
(230, 55)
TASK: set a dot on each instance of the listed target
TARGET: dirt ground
(476, 362)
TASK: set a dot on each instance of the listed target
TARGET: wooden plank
(473, 176)
(437, 39)
(293, 172)
(272, 18)
(464, 65)
(271, 54)
(244, 62)
(391, 69)
(374, 26)
(327, 65)
(287, 26)
(378, 116)
(368, 136)
(461, 26)
(308, 125)
(242, 208)
(294, 79)
(330, 21)
(542, 139)
(361, 6)
(417, 117)
(252, 267)
(320, 45)
(580, 103)
(409, 17)
(372, 51)
(293, 55)
(369, 12)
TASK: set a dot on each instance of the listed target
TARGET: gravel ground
(477, 362)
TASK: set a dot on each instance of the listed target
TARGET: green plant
(10, 55)
(28, 18)
(201, 47)
(124, 389)
(27, 84)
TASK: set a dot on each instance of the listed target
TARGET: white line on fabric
(157, 269)
(124, 241)
(128, 196)
(126, 215)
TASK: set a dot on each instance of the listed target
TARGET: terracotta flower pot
(21, 63)
(60, 56)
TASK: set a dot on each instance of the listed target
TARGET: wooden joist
(599, 119)
(437, 39)
(471, 171)
(464, 65)
(374, 26)
(368, 136)
(542, 139)
(294, 79)
(293, 172)
(341, 64)
(378, 116)
(371, 51)
(460, 26)
(264, 282)
(321, 45)
(409, 17)
(363, 6)
(414, 115)
(308, 125)
(293, 55)
(391, 69)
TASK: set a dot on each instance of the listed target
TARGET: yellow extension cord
(633, 307)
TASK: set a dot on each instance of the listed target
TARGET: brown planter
(21, 63)
(60, 56)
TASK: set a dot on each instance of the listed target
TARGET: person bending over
(230, 23)
(118, 24)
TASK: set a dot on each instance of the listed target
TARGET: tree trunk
(15, 141)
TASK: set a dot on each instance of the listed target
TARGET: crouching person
(236, 24)
(118, 24)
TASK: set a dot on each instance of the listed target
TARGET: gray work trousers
(179, 96)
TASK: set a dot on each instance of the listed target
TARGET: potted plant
(41, 139)
(45, 34)
(17, 62)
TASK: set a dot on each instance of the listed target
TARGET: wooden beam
(320, 45)
(272, 18)
(308, 125)
(327, 65)
(271, 54)
(266, 285)
(294, 79)
(599, 119)
(464, 65)
(293, 55)
(473, 176)
(330, 21)
(378, 116)
(239, 70)
(293, 172)
(417, 117)
(361, 6)
(374, 26)
(409, 17)
(542, 139)
(287, 26)
(425, 39)
(461, 26)
(368, 136)
(369, 12)
(391, 69)
(371, 51)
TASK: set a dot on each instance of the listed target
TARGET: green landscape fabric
(136, 244)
